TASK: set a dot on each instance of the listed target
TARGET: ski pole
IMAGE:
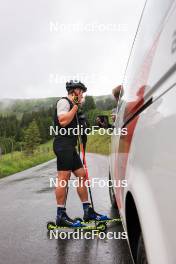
(85, 164)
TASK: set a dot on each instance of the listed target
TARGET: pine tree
(31, 137)
(89, 104)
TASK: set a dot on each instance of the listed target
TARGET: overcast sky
(44, 42)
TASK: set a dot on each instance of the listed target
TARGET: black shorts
(67, 158)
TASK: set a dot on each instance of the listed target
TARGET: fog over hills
(16, 106)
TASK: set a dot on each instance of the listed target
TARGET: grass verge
(17, 161)
(98, 144)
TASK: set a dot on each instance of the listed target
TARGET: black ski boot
(90, 214)
(63, 220)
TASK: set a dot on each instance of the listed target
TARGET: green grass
(98, 144)
(18, 161)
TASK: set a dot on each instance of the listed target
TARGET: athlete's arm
(66, 118)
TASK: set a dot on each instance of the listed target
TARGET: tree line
(32, 128)
(15, 134)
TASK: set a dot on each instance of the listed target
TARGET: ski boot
(90, 215)
(63, 220)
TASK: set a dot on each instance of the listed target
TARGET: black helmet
(71, 85)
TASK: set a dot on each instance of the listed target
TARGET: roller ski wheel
(101, 227)
(51, 226)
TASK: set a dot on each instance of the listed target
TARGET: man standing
(68, 159)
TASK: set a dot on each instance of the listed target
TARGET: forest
(24, 124)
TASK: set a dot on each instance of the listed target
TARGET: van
(146, 156)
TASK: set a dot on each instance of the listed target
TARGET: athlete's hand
(75, 107)
(75, 100)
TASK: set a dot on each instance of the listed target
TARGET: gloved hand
(75, 100)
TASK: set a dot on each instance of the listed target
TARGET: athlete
(68, 160)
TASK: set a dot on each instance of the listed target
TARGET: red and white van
(146, 157)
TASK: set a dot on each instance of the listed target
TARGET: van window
(136, 79)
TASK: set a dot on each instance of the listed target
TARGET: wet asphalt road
(27, 202)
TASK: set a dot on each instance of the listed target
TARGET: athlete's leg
(61, 189)
(62, 219)
(81, 189)
(89, 213)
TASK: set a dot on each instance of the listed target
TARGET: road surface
(27, 202)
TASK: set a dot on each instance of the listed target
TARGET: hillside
(20, 106)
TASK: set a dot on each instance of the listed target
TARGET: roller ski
(90, 216)
(64, 222)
